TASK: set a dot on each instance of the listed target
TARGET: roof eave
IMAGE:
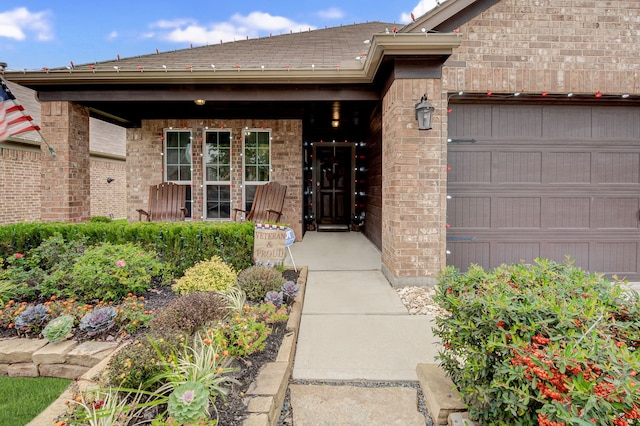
(392, 44)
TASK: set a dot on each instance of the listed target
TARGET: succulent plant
(32, 318)
(189, 402)
(98, 321)
(274, 297)
(290, 289)
(58, 328)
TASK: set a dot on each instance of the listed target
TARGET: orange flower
(141, 298)
(65, 303)
(10, 325)
(53, 298)
(207, 342)
(225, 353)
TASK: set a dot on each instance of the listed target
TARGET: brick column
(66, 183)
(413, 185)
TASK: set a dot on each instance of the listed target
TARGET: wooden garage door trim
(530, 181)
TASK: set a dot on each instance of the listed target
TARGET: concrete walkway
(354, 328)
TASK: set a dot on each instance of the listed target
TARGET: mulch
(232, 409)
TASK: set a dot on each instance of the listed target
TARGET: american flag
(13, 119)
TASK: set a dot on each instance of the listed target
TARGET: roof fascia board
(396, 44)
(438, 15)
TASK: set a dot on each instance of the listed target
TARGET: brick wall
(66, 176)
(413, 185)
(559, 46)
(20, 183)
(108, 199)
(145, 162)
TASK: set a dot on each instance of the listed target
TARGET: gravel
(419, 300)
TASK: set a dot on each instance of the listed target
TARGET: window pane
(212, 173)
(263, 173)
(172, 173)
(224, 173)
(218, 202)
(251, 173)
(263, 155)
(185, 173)
(250, 192)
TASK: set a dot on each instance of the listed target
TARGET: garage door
(528, 181)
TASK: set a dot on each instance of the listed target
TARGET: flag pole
(3, 85)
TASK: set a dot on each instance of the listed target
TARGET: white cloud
(112, 35)
(18, 23)
(420, 9)
(331, 13)
(236, 28)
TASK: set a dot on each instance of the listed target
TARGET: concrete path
(354, 329)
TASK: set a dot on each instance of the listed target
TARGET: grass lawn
(23, 398)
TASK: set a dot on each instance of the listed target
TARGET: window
(177, 161)
(217, 165)
(257, 162)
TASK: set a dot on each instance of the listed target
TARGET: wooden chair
(267, 204)
(166, 203)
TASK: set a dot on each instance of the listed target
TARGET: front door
(334, 182)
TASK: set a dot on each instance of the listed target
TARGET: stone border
(265, 395)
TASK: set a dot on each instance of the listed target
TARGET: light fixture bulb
(200, 102)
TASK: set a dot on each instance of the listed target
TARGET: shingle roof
(324, 48)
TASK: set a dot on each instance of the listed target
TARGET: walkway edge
(266, 394)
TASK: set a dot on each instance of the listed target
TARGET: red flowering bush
(544, 344)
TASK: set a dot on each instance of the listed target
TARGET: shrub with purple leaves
(98, 321)
(289, 291)
(274, 297)
(32, 318)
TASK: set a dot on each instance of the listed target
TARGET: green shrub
(208, 275)
(256, 281)
(190, 312)
(109, 272)
(179, 245)
(137, 363)
(542, 343)
(42, 268)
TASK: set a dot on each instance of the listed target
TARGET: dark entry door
(334, 177)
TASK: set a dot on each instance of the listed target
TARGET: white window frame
(206, 182)
(246, 183)
(181, 156)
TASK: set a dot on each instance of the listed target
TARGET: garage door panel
(463, 254)
(616, 123)
(470, 167)
(574, 191)
(616, 213)
(567, 167)
(567, 213)
(562, 122)
(470, 120)
(617, 167)
(577, 252)
(516, 123)
(615, 258)
(470, 212)
(515, 252)
(518, 212)
(520, 167)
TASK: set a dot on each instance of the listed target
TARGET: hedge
(179, 245)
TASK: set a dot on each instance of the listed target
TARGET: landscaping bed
(197, 341)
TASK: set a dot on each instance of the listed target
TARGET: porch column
(66, 181)
(413, 184)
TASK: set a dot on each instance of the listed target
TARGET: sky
(54, 33)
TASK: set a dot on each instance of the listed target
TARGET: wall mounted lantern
(424, 113)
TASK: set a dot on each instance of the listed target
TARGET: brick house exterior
(494, 70)
(21, 160)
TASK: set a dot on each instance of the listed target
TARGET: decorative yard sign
(269, 244)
